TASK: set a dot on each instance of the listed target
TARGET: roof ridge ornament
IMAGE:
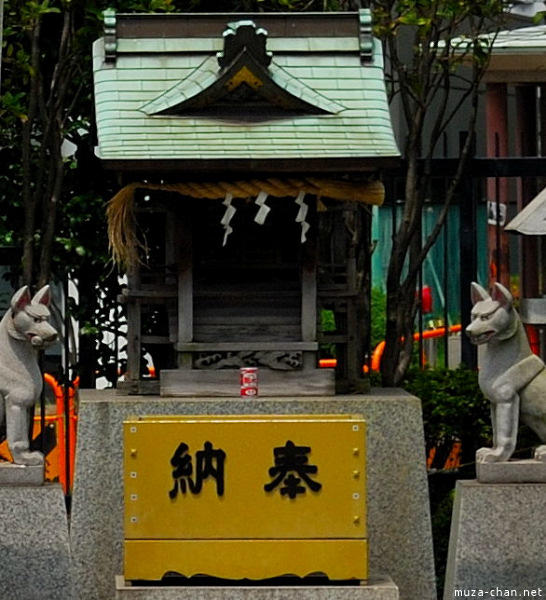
(366, 35)
(244, 36)
(247, 85)
(110, 35)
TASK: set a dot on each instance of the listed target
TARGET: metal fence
(470, 247)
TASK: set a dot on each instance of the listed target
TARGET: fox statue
(24, 329)
(511, 376)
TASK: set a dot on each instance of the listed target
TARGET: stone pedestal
(34, 544)
(379, 589)
(399, 532)
(513, 471)
(12, 474)
(498, 538)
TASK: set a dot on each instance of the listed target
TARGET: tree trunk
(29, 195)
(401, 281)
(1, 38)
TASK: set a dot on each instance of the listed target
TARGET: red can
(249, 381)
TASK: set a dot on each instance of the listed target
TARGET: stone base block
(498, 532)
(399, 531)
(34, 545)
(12, 474)
(513, 471)
(376, 589)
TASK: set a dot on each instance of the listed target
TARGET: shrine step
(375, 589)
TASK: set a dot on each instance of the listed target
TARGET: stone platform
(498, 538)
(12, 474)
(513, 471)
(34, 544)
(379, 589)
(399, 531)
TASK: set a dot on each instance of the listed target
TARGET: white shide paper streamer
(264, 209)
(302, 216)
(228, 215)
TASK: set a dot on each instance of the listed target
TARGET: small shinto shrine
(248, 149)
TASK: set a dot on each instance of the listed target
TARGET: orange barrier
(52, 457)
(56, 468)
(533, 337)
(380, 348)
(328, 363)
(427, 335)
(65, 471)
(331, 363)
(453, 460)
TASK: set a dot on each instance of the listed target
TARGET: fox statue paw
(29, 459)
(540, 453)
(489, 455)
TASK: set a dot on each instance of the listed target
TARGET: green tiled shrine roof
(144, 73)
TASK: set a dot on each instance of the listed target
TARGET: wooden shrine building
(248, 149)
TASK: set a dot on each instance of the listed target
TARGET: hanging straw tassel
(122, 236)
(122, 227)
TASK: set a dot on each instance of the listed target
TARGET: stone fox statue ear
(502, 296)
(20, 299)
(477, 293)
(42, 296)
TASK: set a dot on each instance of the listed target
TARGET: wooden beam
(225, 382)
(185, 282)
(245, 346)
(293, 25)
(309, 305)
(216, 167)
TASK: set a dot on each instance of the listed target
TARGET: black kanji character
(291, 469)
(209, 463)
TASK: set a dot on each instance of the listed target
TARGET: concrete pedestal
(399, 531)
(34, 544)
(498, 539)
(380, 589)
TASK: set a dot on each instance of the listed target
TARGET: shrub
(454, 409)
(378, 310)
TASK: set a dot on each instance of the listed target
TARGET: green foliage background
(454, 409)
